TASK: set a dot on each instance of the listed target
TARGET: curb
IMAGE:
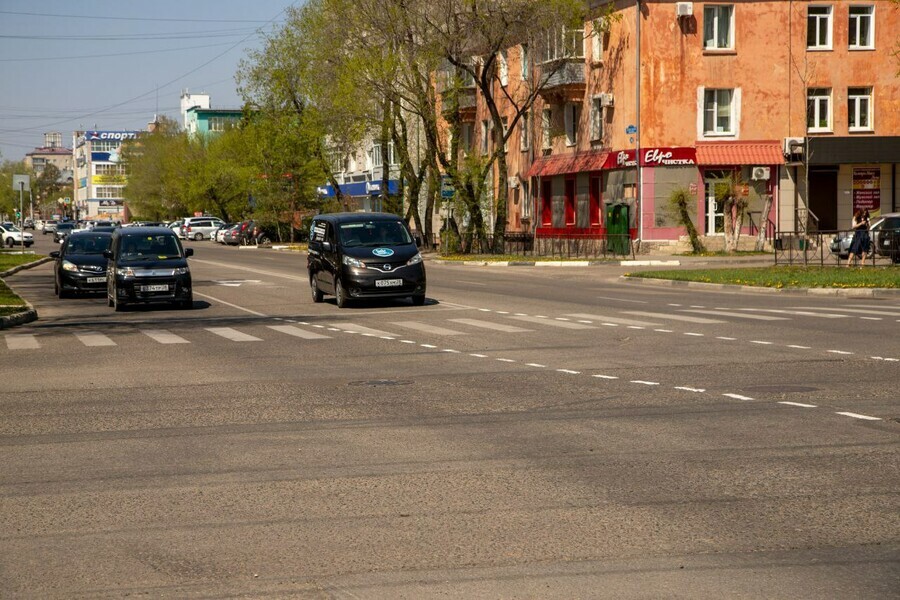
(29, 314)
(557, 263)
(842, 292)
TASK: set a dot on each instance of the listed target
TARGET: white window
(572, 112)
(859, 109)
(218, 123)
(104, 145)
(101, 168)
(466, 135)
(336, 160)
(596, 119)
(567, 43)
(485, 136)
(718, 112)
(862, 27)
(546, 120)
(503, 68)
(392, 159)
(818, 109)
(525, 131)
(598, 36)
(108, 192)
(525, 58)
(818, 28)
(377, 159)
(526, 201)
(718, 27)
(505, 134)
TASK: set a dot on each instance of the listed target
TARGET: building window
(718, 112)
(485, 135)
(862, 27)
(104, 145)
(859, 109)
(108, 192)
(466, 135)
(569, 208)
(572, 113)
(218, 123)
(505, 134)
(546, 120)
(600, 27)
(109, 169)
(596, 119)
(525, 61)
(375, 154)
(503, 68)
(526, 201)
(718, 27)
(525, 131)
(818, 28)
(568, 43)
(818, 109)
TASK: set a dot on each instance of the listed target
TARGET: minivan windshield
(64, 226)
(149, 247)
(87, 244)
(373, 233)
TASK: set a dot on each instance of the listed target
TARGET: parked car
(232, 235)
(200, 228)
(49, 227)
(364, 255)
(148, 265)
(882, 240)
(219, 233)
(28, 223)
(62, 230)
(175, 226)
(80, 264)
(13, 236)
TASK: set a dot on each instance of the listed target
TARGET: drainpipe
(637, 149)
(893, 187)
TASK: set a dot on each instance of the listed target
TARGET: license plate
(96, 279)
(154, 288)
(388, 282)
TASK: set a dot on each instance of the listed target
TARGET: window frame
(715, 132)
(596, 133)
(816, 98)
(853, 102)
(716, 9)
(572, 114)
(485, 136)
(564, 44)
(870, 45)
(829, 34)
(525, 131)
(547, 128)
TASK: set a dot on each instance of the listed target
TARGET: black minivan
(147, 264)
(364, 255)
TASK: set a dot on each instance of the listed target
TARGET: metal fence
(571, 245)
(832, 248)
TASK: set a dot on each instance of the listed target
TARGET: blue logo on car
(383, 252)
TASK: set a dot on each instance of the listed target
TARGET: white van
(200, 228)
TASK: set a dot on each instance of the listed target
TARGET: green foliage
(787, 277)
(683, 205)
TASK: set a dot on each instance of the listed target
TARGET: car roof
(90, 232)
(136, 231)
(356, 217)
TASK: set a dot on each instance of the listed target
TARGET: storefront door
(714, 217)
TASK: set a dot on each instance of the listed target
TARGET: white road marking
(859, 416)
(490, 325)
(636, 327)
(800, 404)
(737, 397)
(562, 319)
(569, 371)
(605, 377)
(521, 315)
(622, 300)
(502, 312)
(427, 346)
(872, 318)
(610, 324)
(798, 347)
(506, 360)
(247, 310)
(690, 389)
(298, 332)
(697, 306)
(479, 355)
(584, 321)
(363, 330)
(232, 334)
(451, 351)
(763, 342)
(801, 313)
(725, 337)
(663, 330)
(882, 313)
(407, 342)
(694, 334)
(538, 365)
(730, 313)
(839, 352)
(668, 316)
(335, 329)
(485, 310)
(92, 338)
(21, 341)
(644, 382)
(553, 323)
(609, 319)
(425, 327)
(670, 304)
(164, 337)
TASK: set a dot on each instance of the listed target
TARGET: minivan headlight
(124, 271)
(180, 271)
(414, 260)
(353, 262)
(68, 266)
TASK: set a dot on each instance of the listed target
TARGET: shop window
(547, 203)
(818, 28)
(570, 202)
(595, 195)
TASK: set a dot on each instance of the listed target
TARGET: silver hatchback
(200, 228)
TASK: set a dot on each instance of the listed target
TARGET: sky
(113, 64)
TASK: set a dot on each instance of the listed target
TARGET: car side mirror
(108, 254)
(188, 252)
(326, 246)
(54, 254)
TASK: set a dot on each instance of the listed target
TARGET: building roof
(560, 164)
(767, 152)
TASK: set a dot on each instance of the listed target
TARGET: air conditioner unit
(607, 100)
(760, 173)
(794, 146)
(684, 9)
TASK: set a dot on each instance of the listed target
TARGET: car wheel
(117, 304)
(340, 295)
(262, 240)
(418, 299)
(10, 242)
(109, 300)
(314, 288)
(198, 237)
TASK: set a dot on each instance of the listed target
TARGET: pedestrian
(859, 244)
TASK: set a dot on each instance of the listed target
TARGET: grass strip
(786, 277)
(9, 260)
(520, 258)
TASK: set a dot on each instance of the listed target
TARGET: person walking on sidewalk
(860, 242)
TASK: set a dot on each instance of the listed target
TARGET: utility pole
(638, 195)
(22, 182)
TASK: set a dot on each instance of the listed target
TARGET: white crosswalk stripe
(92, 339)
(361, 329)
(554, 323)
(426, 328)
(164, 337)
(490, 325)
(801, 313)
(672, 317)
(232, 334)
(859, 311)
(737, 315)
(608, 319)
(21, 341)
(298, 332)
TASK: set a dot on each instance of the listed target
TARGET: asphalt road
(528, 433)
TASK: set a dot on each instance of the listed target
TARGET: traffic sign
(630, 130)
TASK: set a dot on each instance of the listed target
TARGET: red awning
(739, 153)
(560, 164)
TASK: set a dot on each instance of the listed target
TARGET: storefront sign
(110, 202)
(108, 180)
(867, 189)
(652, 157)
(110, 135)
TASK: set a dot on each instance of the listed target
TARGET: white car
(12, 236)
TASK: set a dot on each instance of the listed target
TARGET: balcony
(466, 102)
(563, 80)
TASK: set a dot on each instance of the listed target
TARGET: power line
(117, 54)
(135, 37)
(94, 18)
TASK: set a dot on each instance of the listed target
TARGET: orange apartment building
(802, 98)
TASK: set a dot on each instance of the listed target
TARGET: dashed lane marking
(605, 376)
(642, 382)
(553, 323)
(164, 337)
(363, 330)
(668, 316)
(608, 319)
(298, 332)
(690, 389)
(737, 397)
(800, 404)
(859, 416)
(490, 325)
(232, 334)
(737, 315)
(426, 328)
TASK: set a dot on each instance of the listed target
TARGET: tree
(732, 193)
(156, 162)
(682, 203)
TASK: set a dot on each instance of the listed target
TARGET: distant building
(100, 177)
(52, 152)
(200, 119)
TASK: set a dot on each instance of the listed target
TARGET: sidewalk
(642, 260)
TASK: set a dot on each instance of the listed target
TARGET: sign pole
(22, 215)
